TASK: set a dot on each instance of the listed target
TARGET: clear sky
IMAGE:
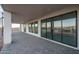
(69, 22)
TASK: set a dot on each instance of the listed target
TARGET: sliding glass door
(36, 27)
(32, 27)
(57, 29)
(29, 26)
(43, 28)
(61, 28)
(69, 29)
(49, 33)
(24, 27)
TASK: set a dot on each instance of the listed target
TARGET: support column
(39, 27)
(7, 28)
(22, 28)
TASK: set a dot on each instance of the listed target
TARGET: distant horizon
(15, 25)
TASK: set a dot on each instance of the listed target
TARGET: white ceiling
(26, 12)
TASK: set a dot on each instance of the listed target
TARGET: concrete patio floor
(28, 44)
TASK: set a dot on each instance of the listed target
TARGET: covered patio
(36, 32)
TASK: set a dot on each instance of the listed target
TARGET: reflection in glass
(63, 28)
(57, 30)
(36, 27)
(69, 29)
(24, 28)
(49, 30)
(33, 27)
(43, 29)
(30, 28)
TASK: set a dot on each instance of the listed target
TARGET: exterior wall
(62, 11)
(22, 27)
(39, 30)
(7, 28)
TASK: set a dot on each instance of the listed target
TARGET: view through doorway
(15, 27)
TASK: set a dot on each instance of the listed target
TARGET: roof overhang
(22, 13)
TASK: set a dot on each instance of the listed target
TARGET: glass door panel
(30, 28)
(57, 29)
(43, 28)
(24, 28)
(36, 27)
(69, 29)
(49, 35)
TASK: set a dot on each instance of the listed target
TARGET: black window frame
(33, 28)
(36, 22)
(49, 20)
(75, 25)
(52, 25)
(44, 20)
